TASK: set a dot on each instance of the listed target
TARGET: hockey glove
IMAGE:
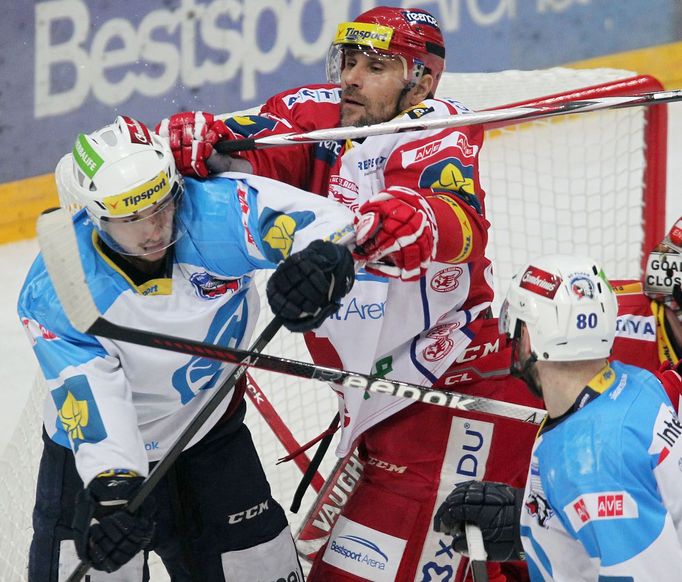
(192, 135)
(494, 507)
(107, 536)
(396, 234)
(308, 286)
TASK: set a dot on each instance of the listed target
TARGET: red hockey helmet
(409, 33)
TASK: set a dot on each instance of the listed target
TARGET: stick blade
(58, 245)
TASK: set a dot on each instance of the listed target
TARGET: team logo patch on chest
(441, 345)
(536, 505)
(209, 287)
(446, 280)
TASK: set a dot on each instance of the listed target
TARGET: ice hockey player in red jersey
(422, 297)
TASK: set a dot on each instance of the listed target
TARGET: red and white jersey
(410, 331)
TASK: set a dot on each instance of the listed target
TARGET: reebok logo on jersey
(600, 505)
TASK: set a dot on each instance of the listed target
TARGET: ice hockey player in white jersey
(602, 499)
(175, 257)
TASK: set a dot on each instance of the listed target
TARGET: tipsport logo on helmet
(361, 33)
(138, 198)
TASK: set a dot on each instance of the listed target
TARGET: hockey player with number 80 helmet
(601, 494)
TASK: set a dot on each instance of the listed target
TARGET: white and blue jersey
(119, 405)
(603, 499)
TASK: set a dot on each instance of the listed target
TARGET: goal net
(592, 183)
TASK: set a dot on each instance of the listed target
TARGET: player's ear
(421, 90)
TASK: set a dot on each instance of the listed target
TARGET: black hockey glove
(106, 535)
(494, 507)
(308, 286)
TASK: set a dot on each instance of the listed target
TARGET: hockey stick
(488, 119)
(477, 553)
(280, 430)
(161, 468)
(59, 248)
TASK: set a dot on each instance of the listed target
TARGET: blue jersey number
(587, 320)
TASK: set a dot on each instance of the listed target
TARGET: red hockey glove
(396, 234)
(192, 135)
(670, 376)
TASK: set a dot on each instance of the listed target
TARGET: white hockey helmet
(119, 172)
(568, 306)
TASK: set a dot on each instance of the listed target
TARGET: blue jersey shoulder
(594, 445)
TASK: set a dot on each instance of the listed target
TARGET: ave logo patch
(599, 506)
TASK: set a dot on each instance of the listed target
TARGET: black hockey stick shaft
(487, 118)
(161, 468)
(104, 328)
(61, 255)
(60, 252)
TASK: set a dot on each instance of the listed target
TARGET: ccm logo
(249, 513)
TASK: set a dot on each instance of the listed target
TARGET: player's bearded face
(523, 363)
(372, 88)
(146, 235)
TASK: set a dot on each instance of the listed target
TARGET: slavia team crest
(446, 279)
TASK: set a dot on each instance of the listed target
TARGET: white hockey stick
(59, 248)
(488, 119)
(477, 553)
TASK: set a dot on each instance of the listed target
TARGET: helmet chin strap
(677, 296)
(523, 371)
